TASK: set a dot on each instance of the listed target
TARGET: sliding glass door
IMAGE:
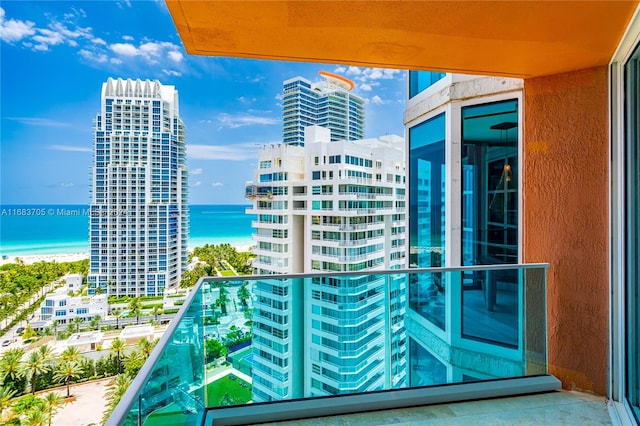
(632, 225)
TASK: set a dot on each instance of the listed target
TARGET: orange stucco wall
(565, 195)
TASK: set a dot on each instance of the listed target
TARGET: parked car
(20, 330)
(6, 343)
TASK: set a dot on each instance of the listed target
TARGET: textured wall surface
(565, 198)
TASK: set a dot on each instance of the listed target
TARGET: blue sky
(55, 56)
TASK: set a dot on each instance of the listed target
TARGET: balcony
(467, 333)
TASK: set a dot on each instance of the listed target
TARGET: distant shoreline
(29, 259)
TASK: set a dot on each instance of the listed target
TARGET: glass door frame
(618, 211)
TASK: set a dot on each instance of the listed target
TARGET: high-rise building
(328, 103)
(139, 219)
(339, 207)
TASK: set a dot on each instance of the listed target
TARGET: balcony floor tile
(554, 408)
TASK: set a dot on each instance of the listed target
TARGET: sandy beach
(35, 258)
(73, 257)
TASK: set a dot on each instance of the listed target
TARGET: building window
(421, 80)
(426, 186)
(490, 183)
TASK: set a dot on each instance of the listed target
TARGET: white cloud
(198, 183)
(217, 184)
(152, 52)
(365, 87)
(353, 71)
(115, 61)
(93, 56)
(14, 30)
(278, 96)
(67, 185)
(340, 70)
(196, 171)
(172, 73)
(236, 152)
(241, 120)
(127, 38)
(43, 122)
(98, 40)
(377, 100)
(71, 148)
(124, 49)
(175, 56)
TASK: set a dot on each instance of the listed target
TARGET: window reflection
(426, 217)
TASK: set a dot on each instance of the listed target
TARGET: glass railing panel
(491, 302)
(263, 339)
(427, 296)
(169, 390)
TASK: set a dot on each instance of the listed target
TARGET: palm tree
(155, 312)
(52, 402)
(135, 308)
(66, 372)
(10, 364)
(223, 299)
(56, 323)
(244, 294)
(32, 367)
(77, 321)
(115, 393)
(46, 352)
(117, 312)
(95, 322)
(5, 398)
(71, 354)
(117, 347)
(35, 418)
(145, 346)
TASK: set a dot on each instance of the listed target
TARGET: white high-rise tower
(139, 219)
(328, 103)
(328, 207)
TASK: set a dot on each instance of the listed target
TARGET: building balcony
(482, 324)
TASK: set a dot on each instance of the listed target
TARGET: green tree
(28, 332)
(117, 312)
(146, 346)
(66, 372)
(46, 352)
(27, 403)
(223, 299)
(95, 322)
(10, 364)
(6, 394)
(77, 322)
(70, 354)
(133, 363)
(115, 393)
(244, 294)
(117, 347)
(32, 367)
(135, 308)
(35, 417)
(52, 403)
(155, 312)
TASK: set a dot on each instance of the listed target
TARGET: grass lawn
(171, 415)
(238, 393)
(227, 273)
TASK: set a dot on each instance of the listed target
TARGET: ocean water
(57, 229)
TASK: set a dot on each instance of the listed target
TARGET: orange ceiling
(509, 38)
